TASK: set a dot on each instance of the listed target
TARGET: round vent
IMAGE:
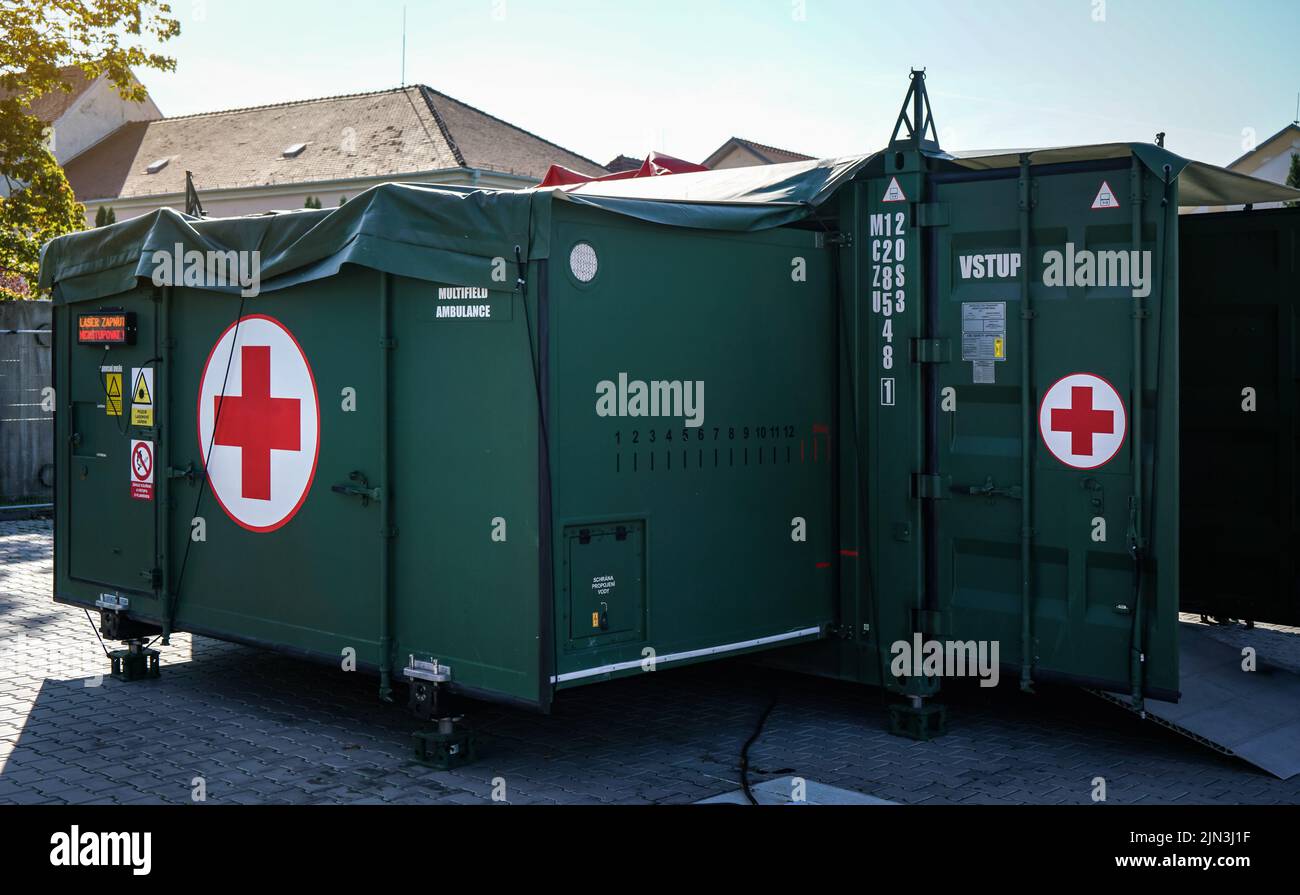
(583, 263)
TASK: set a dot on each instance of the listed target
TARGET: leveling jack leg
(918, 721)
(451, 743)
(135, 663)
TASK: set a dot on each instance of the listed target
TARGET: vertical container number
(888, 286)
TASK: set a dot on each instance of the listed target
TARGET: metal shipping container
(519, 442)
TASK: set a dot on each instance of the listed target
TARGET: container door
(1065, 557)
(108, 499)
(1239, 527)
(280, 405)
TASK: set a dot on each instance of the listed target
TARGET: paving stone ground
(262, 728)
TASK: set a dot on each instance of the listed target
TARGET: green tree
(1293, 178)
(106, 216)
(312, 202)
(39, 39)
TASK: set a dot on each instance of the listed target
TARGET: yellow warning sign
(113, 394)
(595, 619)
(1000, 349)
(142, 397)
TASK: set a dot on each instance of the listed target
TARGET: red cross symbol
(256, 423)
(1082, 421)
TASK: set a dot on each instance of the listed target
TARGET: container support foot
(451, 742)
(135, 663)
(918, 720)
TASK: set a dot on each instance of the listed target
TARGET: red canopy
(655, 164)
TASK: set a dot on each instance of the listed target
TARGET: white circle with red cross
(259, 423)
(1083, 421)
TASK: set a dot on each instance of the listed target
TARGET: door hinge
(931, 351)
(931, 487)
(843, 239)
(931, 214)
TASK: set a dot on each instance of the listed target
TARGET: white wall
(96, 114)
(1276, 170)
(1271, 162)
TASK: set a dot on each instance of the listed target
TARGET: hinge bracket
(931, 487)
(931, 214)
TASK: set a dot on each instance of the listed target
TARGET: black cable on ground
(753, 738)
(95, 628)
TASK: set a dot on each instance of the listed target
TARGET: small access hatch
(606, 583)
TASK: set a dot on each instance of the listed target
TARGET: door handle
(990, 490)
(360, 488)
(190, 473)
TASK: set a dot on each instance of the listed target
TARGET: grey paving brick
(268, 729)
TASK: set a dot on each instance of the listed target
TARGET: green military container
(375, 428)
(519, 442)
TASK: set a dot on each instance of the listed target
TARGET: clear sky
(823, 77)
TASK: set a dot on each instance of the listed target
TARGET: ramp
(1254, 716)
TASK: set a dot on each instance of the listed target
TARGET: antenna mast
(193, 207)
(915, 128)
(403, 45)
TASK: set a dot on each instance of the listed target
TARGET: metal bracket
(931, 487)
(930, 621)
(843, 239)
(433, 671)
(113, 603)
(931, 214)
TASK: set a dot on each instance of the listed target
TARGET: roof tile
(386, 134)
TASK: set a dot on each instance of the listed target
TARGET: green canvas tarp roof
(454, 235)
(754, 198)
(1199, 184)
(438, 233)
